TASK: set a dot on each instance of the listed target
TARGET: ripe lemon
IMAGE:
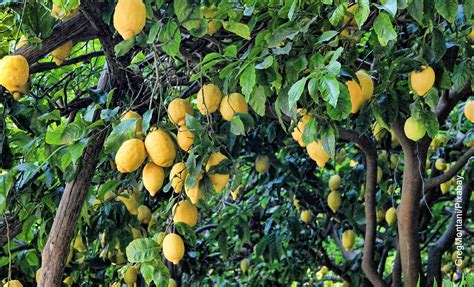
(62, 52)
(178, 174)
(334, 182)
(219, 180)
(391, 215)
(153, 178)
(172, 283)
(244, 265)
(366, 84)
(414, 129)
(130, 200)
(177, 111)
(350, 10)
(422, 81)
(13, 283)
(348, 239)
(194, 192)
(14, 74)
(130, 155)
(213, 26)
(185, 211)
(143, 214)
(160, 147)
(357, 98)
(231, 104)
(317, 153)
(129, 18)
(134, 115)
(469, 111)
(262, 163)
(440, 164)
(173, 248)
(130, 276)
(445, 187)
(378, 131)
(306, 216)
(208, 99)
(334, 201)
(185, 138)
(298, 131)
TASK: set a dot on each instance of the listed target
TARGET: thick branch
(460, 163)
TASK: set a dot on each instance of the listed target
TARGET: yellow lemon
(185, 138)
(130, 276)
(380, 215)
(134, 115)
(348, 239)
(414, 129)
(13, 283)
(208, 99)
(173, 248)
(22, 42)
(231, 104)
(153, 178)
(185, 211)
(160, 147)
(262, 163)
(143, 214)
(440, 164)
(244, 265)
(306, 216)
(317, 153)
(357, 98)
(334, 201)
(379, 174)
(177, 111)
(194, 192)
(366, 84)
(469, 111)
(219, 180)
(391, 215)
(445, 187)
(130, 155)
(213, 26)
(334, 182)
(298, 131)
(129, 18)
(61, 52)
(422, 81)
(296, 203)
(172, 283)
(14, 74)
(130, 200)
(38, 275)
(471, 34)
(177, 176)
(136, 233)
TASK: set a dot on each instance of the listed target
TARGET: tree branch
(42, 67)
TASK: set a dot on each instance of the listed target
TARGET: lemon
(334, 182)
(414, 129)
(471, 34)
(194, 192)
(130, 155)
(391, 215)
(185, 138)
(172, 283)
(341, 156)
(13, 283)
(177, 176)
(219, 180)
(440, 164)
(136, 233)
(38, 275)
(334, 201)
(306, 216)
(366, 83)
(129, 18)
(244, 265)
(186, 212)
(143, 214)
(134, 115)
(298, 131)
(350, 10)
(469, 111)
(130, 276)
(208, 99)
(130, 200)
(68, 281)
(394, 161)
(380, 215)
(348, 239)
(422, 81)
(62, 52)
(14, 73)
(379, 174)
(213, 26)
(22, 42)
(390, 189)
(262, 163)
(296, 203)
(357, 98)
(231, 104)
(317, 153)
(378, 131)
(153, 178)
(177, 111)
(445, 187)
(63, 14)
(160, 147)
(173, 248)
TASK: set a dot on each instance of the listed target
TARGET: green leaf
(153, 33)
(54, 133)
(384, 29)
(142, 250)
(438, 44)
(432, 98)
(416, 10)
(170, 38)
(155, 271)
(309, 132)
(296, 91)
(328, 138)
(123, 47)
(390, 6)
(6, 183)
(327, 36)
(248, 78)
(182, 9)
(461, 75)
(430, 122)
(237, 28)
(187, 232)
(237, 126)
(343, 108)
(76, 149)
(222, 243)
(258, 100)
(329, 89)
(447, 9)
(362, 12)
(123, 131)
(338, 14)
(267, 63)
